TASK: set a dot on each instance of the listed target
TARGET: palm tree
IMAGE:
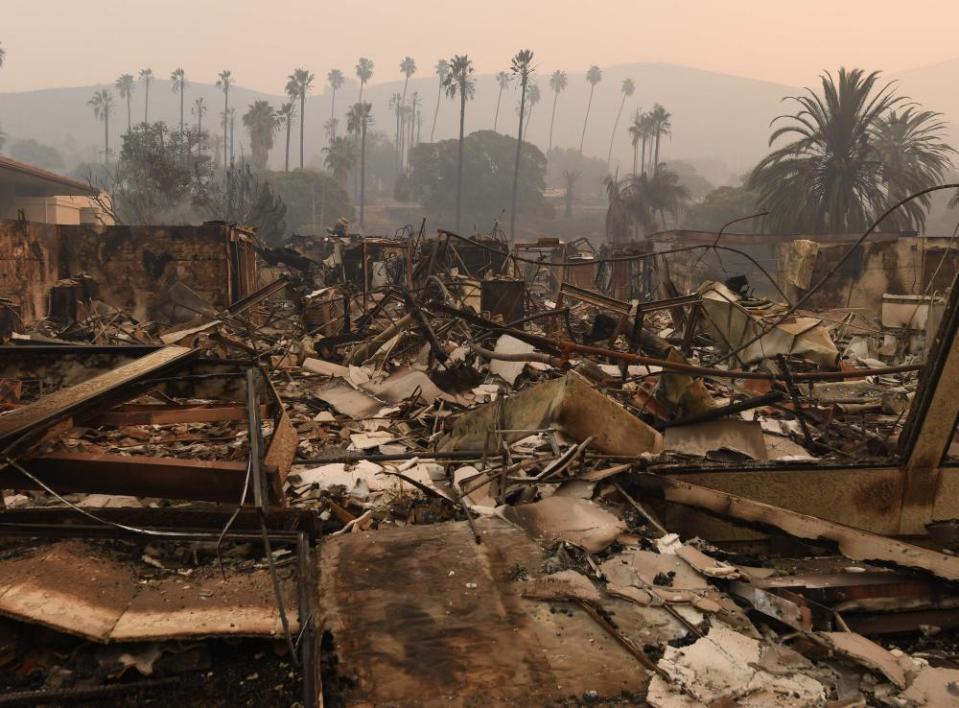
(636, 134)
(285, 115)
(638, 200)
(357, 121)
(225, 81)
(260, 119)
(557, 84)
(415, 104)
(408, 67)
(178, 77)
(503, 78)
(459, 80)
(199, 110)
(102, 103)
(570, 177)
(911, 154)
(442, 70)
(146, 76)
(628, 89)
(659, 119)
(335, 79)
(647, 128)
(396, 105)
(834, 177)
(340, 159)
(593, 76)
(3, 55)
(329, 127)
(533, 97)
(521, 67)
(298, 85)
(364, 72)
(125, 86)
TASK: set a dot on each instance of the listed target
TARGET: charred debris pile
(412, 470)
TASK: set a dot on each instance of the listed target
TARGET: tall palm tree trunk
(363, 175)
(656, 161)
(612, 137)
(552, 120)
(635, 157)
(129, 112)
(589, 105)
(499, 98)
(181, 109)
(459, 164)
(288, 126)
(226, 117)
(333, 116)
(644, 154)
(519, 148)
(146, 103)
(436, 113)
(302, 122)
(106, 136)
(398, 149)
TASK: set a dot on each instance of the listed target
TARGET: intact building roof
(35, 181)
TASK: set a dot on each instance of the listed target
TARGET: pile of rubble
(521, 488)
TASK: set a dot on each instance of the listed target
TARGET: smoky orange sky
(52, 43)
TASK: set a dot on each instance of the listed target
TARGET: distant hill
(719, 121)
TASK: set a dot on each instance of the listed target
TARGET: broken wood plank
(150, 414)
(852, 542)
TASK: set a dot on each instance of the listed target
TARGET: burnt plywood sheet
(424, 615)
(81, 589)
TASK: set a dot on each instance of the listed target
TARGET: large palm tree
(261, 121)
(642, 200)
(335, 79)
(408, 68)
(911, 154)
(364, 72)
(225, 81)
(178, 77)
(832, 178)
(636, 132)
(503, 79)
(442, 70)
(125, 85)
(199, 110)
(285, 115)
(557, 84)
(102, 104)
(146, 76)
(298, 84)
(593, 76)
(533, 96)
(521, 67)
(340, 159)
(628, 89)
(415, 119)
(396, 106)
(660, 125)
(459, 81)
(358, 120)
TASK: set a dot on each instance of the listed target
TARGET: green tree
(261, 121)
(487, 156)
(199, 110)
(442, 70)
(224, 81)
(557, 84)
(102, 104)
(590, 170)
(643, 201)
(503, 80)
(298, 85)
(721, 206)
(358, 121)
(178, 77)
(521, 67)
(146, 76)
(312, 198)
(364, 72)
(335, 79)
(628, 89)
(29, 150)
(593, 76)
(125, 86)
(459, 81)
(831, 178)
(340, 159)
(660, 125)
(285, 116)
(911, 152)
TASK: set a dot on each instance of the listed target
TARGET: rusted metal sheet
(22, 425)
(164, 477)
(75, 587)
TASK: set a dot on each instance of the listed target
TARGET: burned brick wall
(29, 254)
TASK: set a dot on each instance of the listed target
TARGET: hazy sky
(53, 43)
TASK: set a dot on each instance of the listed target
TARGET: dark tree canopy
(721, 206)
(241, 196)
(488, 160)
(311, 198)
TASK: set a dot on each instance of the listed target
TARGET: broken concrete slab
(569, 403)
(560, 518)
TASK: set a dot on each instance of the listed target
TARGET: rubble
(475, 471)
